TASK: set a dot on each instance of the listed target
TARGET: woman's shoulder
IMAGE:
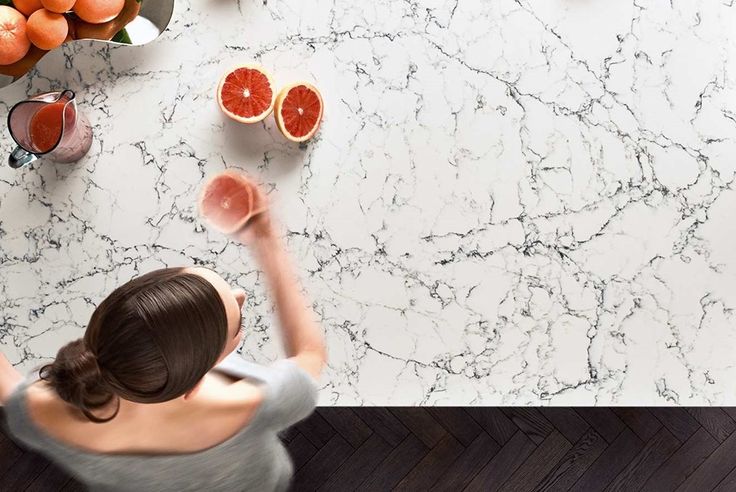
(289, 392)
(43, 403)
(227, 392)
(218, 393)
(219, 411)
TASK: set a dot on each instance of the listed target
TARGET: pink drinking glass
(73, 142)
(227, 201)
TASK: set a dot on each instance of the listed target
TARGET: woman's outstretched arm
(302, 336)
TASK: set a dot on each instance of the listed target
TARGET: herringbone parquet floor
(483, 449)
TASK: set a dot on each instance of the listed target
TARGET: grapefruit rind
(280, 120)
(241, 119)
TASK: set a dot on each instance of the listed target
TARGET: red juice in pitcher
(46, 126)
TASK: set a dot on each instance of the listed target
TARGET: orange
(58, 6)
(47, 30)
(98, 11)
(298, 110)
(27, 7)
(106, 30)
(14, 43)
(246, 93)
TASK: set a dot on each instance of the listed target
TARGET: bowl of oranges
(31, 28)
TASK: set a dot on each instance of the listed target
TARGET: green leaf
(6, 2)
(122, 37)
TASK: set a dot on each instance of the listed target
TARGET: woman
(153, 397)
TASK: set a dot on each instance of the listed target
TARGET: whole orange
(27, 7)
(58, 6)
(14, 42)
(47, 30)
(98, 11)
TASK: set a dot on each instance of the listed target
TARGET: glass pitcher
(48, 125)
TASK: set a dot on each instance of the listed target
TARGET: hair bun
(77, 378)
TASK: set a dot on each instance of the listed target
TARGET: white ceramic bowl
(151, 21)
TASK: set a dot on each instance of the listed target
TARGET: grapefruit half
(246, 93)
(298, 109)
(227, 201)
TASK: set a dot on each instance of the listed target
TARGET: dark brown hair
(151, 340)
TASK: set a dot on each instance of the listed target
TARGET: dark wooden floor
(475, 448)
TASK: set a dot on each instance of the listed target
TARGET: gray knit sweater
(253, 459)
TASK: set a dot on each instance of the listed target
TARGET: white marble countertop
(509, 202)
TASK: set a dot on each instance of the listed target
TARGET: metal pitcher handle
(21, 157)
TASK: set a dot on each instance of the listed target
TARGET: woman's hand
(260, 225)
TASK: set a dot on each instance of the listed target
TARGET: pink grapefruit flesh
(246, 94)
(227, 200)
(298, 109)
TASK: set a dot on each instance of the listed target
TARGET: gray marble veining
(509, 202)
